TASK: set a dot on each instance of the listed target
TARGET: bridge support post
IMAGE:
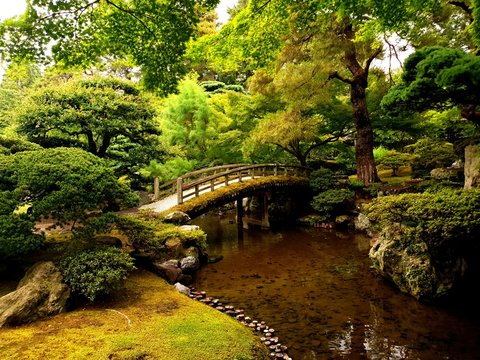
(179, 191)
(239, 206)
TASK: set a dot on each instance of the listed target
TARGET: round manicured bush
(95, 272)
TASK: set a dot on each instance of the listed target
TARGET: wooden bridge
(195, 183)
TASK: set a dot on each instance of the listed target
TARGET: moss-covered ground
(148, 319)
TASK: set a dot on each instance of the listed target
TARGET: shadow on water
(317, 290)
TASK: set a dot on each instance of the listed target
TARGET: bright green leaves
(438, 78)
(63, 183)
(152, 33)
(91, 113)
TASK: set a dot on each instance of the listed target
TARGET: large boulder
(177, 217)
(39, 294)
(189, 264)
(167, 270)
(409, 265)
(472, 167)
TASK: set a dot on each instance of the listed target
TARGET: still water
(317, 290)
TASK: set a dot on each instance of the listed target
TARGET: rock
(174, 244)
(189, 264)
(472, 167)
(192, 251)
(108, 240)
(362, 223)
(306, 220)
(343, 221)
(182, 288)
(214, 259)
(39, 294)
(189, 228)
(410, 265)
(168, 271)
(177, 217)
(446, 173)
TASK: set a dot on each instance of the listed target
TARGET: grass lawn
(148, 319)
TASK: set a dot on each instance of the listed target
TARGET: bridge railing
(170, 187)
(193, 184)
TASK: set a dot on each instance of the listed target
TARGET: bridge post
(180, 191)
(275, 170)
(265, 221)
(239, 206)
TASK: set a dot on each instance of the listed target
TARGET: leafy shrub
(394, 160)
(146, 234)
(210, 86)
(16, 237)
(431, 154)
(331, 202)
(14, 145)
(322, 180)
(95, 272)
(379, 153)
(355, 184)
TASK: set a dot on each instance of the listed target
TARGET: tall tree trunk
(366, 169)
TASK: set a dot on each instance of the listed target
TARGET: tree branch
(336, 75)
(371, 58)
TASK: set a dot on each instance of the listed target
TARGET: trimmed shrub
(332, 202)
(431, 154)
(16, 237)
(95, 272)
(322, 180)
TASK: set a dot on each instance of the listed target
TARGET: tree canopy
(438, 78)
(94, 113)
(80, 32)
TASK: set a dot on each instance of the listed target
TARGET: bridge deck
(171, 201)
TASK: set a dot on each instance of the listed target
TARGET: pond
(316, 289)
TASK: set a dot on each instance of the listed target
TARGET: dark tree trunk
(92, 145)
(366, 169)
(105, 144)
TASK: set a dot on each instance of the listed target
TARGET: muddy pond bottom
(317, 290)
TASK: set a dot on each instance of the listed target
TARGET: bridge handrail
(181, 186)
(170, 187)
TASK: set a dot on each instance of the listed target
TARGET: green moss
(234, 190)
(148, 320)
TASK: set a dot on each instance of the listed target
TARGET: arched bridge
(235, 180)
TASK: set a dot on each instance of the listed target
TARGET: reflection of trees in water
(367, 339)
(375, 343)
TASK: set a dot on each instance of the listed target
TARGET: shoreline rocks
(260, 328)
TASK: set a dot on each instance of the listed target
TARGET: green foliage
(447, 220)
(431, 154)
(437, 78)
(14, 145)
(379, 153)
(332, 202)
(394, 160)
(322, 180)
(82, 32)
(64, 183)
(95, 272)
(16, 237)
(146, 234)
(186, 120)
(92, 113)
(170, 170)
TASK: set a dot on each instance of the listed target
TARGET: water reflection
(317, 290)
